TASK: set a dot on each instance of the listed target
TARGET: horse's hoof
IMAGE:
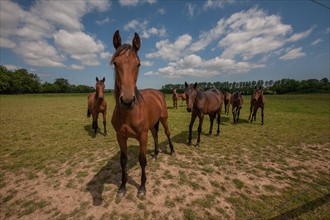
(154, 158)
(141, 193)
(189, 143)
(121, 192)
(197, 145)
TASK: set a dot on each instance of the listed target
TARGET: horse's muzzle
(189, 109)
(127, 103)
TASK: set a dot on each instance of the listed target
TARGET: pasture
(52, 167)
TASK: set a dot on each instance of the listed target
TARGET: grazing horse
(236, 102)
(201, 103)
(227, 102)
(97, 104)
(175, 98)
(257, 101)
(135, 111)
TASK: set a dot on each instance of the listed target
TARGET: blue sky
(191, 41)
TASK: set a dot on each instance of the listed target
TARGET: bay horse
(175, 98)
(135, 111)
(97, 104)
(183, 97)
(227, 96)
(257, 101)
(236, 102)
(201, 103)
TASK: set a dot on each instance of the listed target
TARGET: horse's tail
(88, 113)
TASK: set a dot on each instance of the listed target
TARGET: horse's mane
(120, 50)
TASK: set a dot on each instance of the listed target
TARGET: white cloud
(39, 53)
(79, 46)
(298, 36)
(147, 63)
(191, 9)
(293, 54)
(170, 51)
(161, 11)
(242, 38)
(216, 3)
(104, 21)
(317, 41)
(76, 67)
(11, 67)
(30, 32)
(135, 2)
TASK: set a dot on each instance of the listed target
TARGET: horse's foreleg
(251, 106)
(105, 122)
(123, 162)
(192, 120)
(143, 163)
(201, 118)
(238, 113)
(167, 132)
(234, 114)
(154, 132)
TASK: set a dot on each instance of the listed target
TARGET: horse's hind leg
(218, 121)
(154, 132)
(168, 134)
(201, 118)
(105, 123)
(212, 117)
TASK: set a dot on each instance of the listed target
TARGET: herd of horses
(138, 111)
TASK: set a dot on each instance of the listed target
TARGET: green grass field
(52, 168)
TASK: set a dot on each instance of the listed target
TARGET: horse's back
(214, 100)
(154, 102)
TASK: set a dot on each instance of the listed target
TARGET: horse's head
(100, 88)
(191, 95)
(126, 63)
(237, 97)
(257, 93)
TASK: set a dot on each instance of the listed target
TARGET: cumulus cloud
(240, 39)
(170, 51)
(216, 3)
(293, 54)
(142, 27)
(30, 32)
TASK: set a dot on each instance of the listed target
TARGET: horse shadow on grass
(88, 128)
(111, 173)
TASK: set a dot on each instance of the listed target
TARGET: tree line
(20, 81)
(270, 86)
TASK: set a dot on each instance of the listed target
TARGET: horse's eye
(139, 65)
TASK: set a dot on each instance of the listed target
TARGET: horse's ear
(195, 86)
(116, 40)
(103, 79)
(97, 79)
(186, 84)
(136, 42)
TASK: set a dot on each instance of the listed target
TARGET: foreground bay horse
(97, 104)
(236, 102)
(227, 101)
(201, 103)
(257, 101)
(135, 111)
